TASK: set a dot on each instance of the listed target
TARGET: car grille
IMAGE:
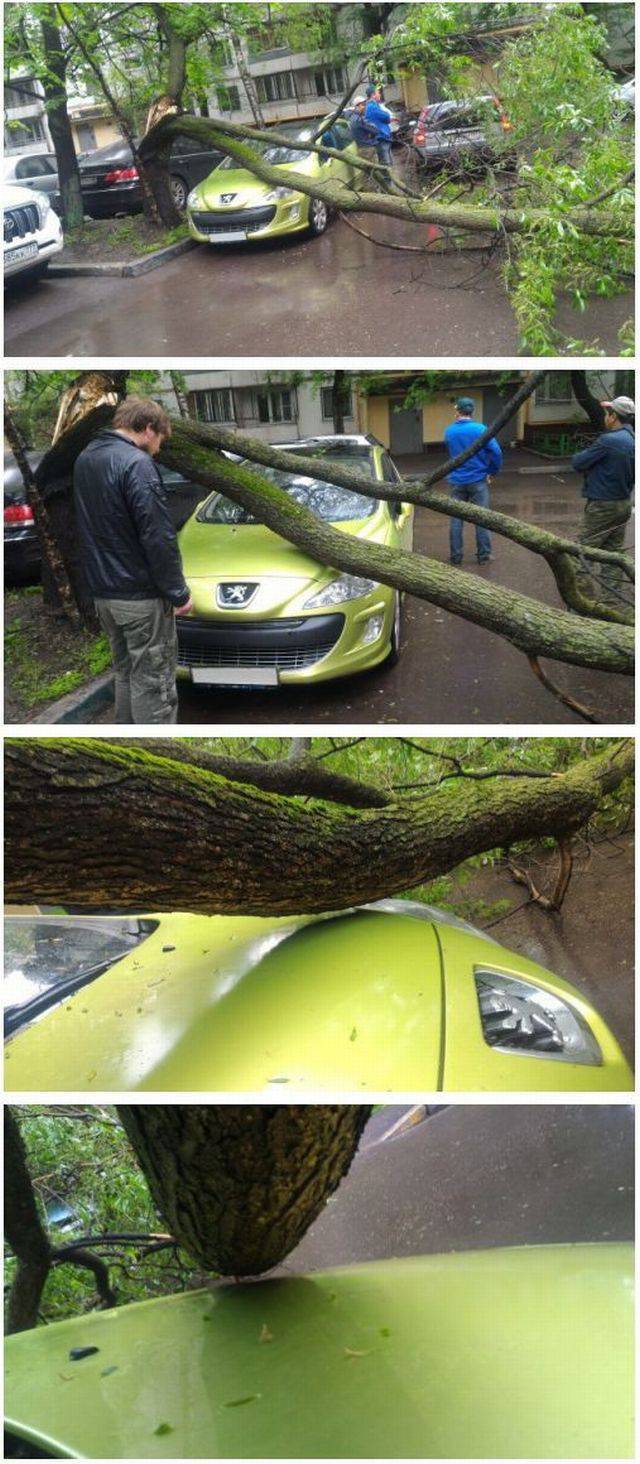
(286, 645)
(20, 221)
(245, 220)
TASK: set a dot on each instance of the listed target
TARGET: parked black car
(110, 183)
(22, 557)
(455, 134)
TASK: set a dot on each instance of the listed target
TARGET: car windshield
(326, 500)
(47, 956)
(277, 153)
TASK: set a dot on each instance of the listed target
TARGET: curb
(76, 705)
(138, 267)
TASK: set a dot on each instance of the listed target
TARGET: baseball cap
(357, 100)
(465, 404)
(371, 89)
(622, 406)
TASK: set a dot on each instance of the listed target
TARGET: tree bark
(251, 90)
(239, 1185)
(46, 532)
(24, 1232)
(123, 828)
(55, 91)
(586, 399)
(341, 394)
(298, 775)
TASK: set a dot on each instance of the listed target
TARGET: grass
(44, 658)
(104, 240)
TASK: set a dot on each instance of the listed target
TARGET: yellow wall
(105, 131)
(375, 411)
(414, 90)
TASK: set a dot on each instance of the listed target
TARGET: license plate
(25, 251)
(235, 675)
(92, 179)
(231, 236)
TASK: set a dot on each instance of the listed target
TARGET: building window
(326, 396)
(20, 133)
(228, 98)
(276, 405)
(556, 387)
(215, 405)
(21, 93)
(330, 80)
(278, 87)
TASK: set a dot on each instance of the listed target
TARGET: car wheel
(396, 632)
(179, 192)
(318, 216)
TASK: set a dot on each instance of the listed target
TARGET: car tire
(179, 192)
(396, 632)
(318, 216)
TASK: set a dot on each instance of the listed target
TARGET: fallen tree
(121, 826)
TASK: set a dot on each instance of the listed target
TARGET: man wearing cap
(365, 134)
(608, 465)
(470, 482)
(380, 116)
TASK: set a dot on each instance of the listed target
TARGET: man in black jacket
(131, 559)
(608, 465)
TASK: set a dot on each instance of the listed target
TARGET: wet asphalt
(337, 295)
(471, 1177)
(450, 671)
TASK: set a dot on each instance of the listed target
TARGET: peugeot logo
(235, 596)
(227, 197)
(9, 226)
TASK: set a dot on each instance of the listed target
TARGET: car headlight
(518, 1016)
(193, 198)
(43, 203)
(347, 587)
(279, 193)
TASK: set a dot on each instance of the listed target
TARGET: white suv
(32, 231)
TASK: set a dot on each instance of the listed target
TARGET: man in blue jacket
(470, 482)
(608, 465)
(380, 116)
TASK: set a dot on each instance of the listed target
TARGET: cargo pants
(144, 648)
(603, 527)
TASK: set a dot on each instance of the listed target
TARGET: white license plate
(25, 251)
(92, 179)
(230, 237)
(235, 675)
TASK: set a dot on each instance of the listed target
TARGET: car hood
(214, 551)
(15, 196)
(522, 1352)
(246, 189)
(242, 1004)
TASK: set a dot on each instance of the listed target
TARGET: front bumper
(48, 241)
(239, 226)
(294, 650)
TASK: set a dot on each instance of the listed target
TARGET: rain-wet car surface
(396, 996)
(395, 1329)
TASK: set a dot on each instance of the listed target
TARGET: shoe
(488, 559)
(455, 561)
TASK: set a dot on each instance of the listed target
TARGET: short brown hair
(135, 413)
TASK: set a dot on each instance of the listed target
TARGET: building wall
(30, 109)
(308, 420)
(105, 130)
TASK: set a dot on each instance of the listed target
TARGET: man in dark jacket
(608, 465)
(130, 558)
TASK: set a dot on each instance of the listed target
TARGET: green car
(265, 613)
(523, 1352)
(394, 997)
(232, 206)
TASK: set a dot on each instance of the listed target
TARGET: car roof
(359, 439)
(112, 150)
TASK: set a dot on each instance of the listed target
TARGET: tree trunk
(533, 627)
(55, 91)
(244, 73)
(341, 398)
(586, 400)
(54, 560)
(593, 222)
(239, 1185)
(24, 1232)
(99, 825)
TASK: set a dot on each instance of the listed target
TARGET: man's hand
(184, 609)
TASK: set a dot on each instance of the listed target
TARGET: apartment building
(278, 407)
(26, 127)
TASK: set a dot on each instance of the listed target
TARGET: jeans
(603, 527)
(383, 149)
(469, 493)
(144, 648)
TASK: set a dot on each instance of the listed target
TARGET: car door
(39, 171)
(194, 163)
